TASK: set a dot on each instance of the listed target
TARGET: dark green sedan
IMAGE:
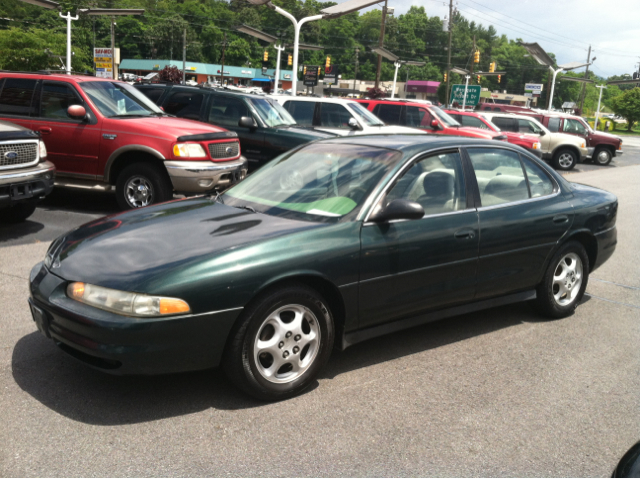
(330, 244)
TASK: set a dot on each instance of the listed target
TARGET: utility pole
(69, 18)
(224, 47)
(449, 51)
(114, 75)
(184, 56)
(584, 85)
(381, 41)
(602, 87)
(355, 77)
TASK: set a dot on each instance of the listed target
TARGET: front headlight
(125, 303)
(189, 150)
(43, 150)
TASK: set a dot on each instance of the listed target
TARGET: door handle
(45, 130)
(464, 234)
(560, 219)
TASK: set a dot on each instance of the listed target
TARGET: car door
(226, 111)
(408, 267)
(522, 216)
(303, 112)
(334, 118)
(390, 114)
(72, 144)
(18, 100)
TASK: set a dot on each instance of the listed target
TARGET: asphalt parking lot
(496, 393)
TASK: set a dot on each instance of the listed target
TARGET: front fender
(127, 148)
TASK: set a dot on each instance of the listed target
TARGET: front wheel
(280, 343)
(142, 184)
(564, 282)
(19, 212)
(602, 156)
(565, 160)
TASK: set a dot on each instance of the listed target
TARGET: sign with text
(473, 94)
(311, 75)
(103, 58)
(533, 87)
(331, 75)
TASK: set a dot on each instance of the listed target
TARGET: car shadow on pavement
(83, 394)
(79, 200)
(10, 232)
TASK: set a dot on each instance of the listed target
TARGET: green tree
(627, 106)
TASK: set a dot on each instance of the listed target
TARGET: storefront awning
(261, 79)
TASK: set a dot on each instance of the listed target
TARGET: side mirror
(542, 133)
(435, 125)
(77, 112)
(398, 210)
(247, 122)
(353, 124)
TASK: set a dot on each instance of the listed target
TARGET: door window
(499, 175)
(528, 127)
(472, 121)
(301, 111)
(554, 124)
(574, 126)
(56, 98)
(505, 124)
(435, 182)
(390, 114)
(153, 94)
(418, 117)
(185, 104)
(227, 111)
(334, 115)
(539, 182)
(16, 96)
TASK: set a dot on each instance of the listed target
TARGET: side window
(227, 111)
(56, 98)
(499, 175)
(574, 126)
(390, 114)
(487, 108)
(301, 111)
(334, 115)
(526, 126)
(539, 182)
(473, 121)
(419, 117)
(505, 124)
(364, 104)
(497, 109)
(16, 96)
(436, 182)
(554, 124)
(185, 104)
(153, 94)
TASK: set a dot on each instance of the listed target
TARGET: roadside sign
(311, 75)
(473, 94)
(533, 87)
(331, 75)
(103, 58)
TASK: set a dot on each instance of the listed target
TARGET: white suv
(338, 116)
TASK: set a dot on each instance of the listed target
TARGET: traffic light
(265, 58)
(499, 78)
(328, 63)
(478, 78)
(492, 67)
(304, 70)
(476, 56)
(445, 77)
(290, 60)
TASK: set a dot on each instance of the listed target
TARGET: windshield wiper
(128, 115)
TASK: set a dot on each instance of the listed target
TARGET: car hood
(476, 132)
(131, 249)
(165, 126)
(604, 135)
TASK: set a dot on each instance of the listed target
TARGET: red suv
(105, 132)
(426, 117)
(468, 118)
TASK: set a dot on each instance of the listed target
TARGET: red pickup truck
(107, 133)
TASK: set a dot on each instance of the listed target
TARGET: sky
(563, 27)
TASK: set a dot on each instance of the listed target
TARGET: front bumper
(537, 152)
(24, 184)
(201, 176)
(590, 150)
(125, 345)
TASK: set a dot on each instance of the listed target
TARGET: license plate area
(41, 319)
(21, 192)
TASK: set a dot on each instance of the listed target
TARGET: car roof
(54, 76)
(212, 91)
(340, 101)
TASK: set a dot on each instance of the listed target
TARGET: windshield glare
(271, 112)
(119, 99)
(443, 117)
(320, 182)
(365, 115)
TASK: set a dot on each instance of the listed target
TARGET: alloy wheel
(139, 192)
(603, 157)
(567, 279)
(565, 160)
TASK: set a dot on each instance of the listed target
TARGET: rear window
(153, 94)
(390, 114)
(554, 124)
(301, 111)
(16, 97)
(185, 104)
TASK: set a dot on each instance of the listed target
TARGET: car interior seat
(439, 190)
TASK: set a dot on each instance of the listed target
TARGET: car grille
(220, 151)
(27, 152)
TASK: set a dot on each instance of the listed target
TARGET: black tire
(546, 300)
(152, 178)
(246, 368)
(602, 156)
(19, 212)
(565, 159)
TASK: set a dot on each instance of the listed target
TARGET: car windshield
(443, 117)
(271, 112)
(119, 99)
(319, 183)
(365, 115)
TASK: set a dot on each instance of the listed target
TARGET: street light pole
(449, 52)
(395, 77)
(280, 49)
(553, 86)
(69, 18)
(466, 85)
(355, 77)
(602, 87)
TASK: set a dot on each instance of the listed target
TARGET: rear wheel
(18, 213)
(142, 184)
(565, 160)
(564, 282)
(602, 156)
(280, 343)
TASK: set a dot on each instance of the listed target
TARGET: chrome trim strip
(81, 176)
(605, 231)
(192, 168)
(22, 165)
(435, 215)
(544, 245)
(515, 203)
(426, 268)
(202, 314)
(29, 173)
